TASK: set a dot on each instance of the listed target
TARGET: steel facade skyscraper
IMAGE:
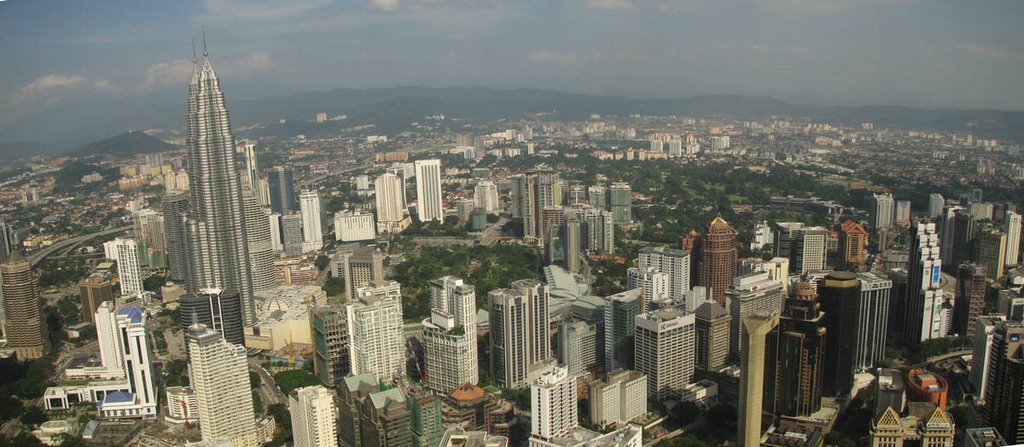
(428, 190)
(218, 241)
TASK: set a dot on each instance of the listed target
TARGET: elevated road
(37, 257)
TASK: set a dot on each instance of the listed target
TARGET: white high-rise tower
(220, 378)
(129, 265)
(428, 190)
(449, 335)
(1012, 230)
(312, 221)
(313, 417)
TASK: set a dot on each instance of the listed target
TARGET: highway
(37, 257)
(269, 391)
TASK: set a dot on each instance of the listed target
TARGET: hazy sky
(932, 53)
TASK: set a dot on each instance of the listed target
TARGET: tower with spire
(217, 244)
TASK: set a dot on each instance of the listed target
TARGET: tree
(322, 262)
(154, 283)
(33, 416)
(295, 378)
(254, 379)
(685, 412)
(724, 417)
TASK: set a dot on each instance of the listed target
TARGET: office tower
(261, 250)
(389, 194)
(808, 251)
(219, 310)
(573, 245)
(282, 190)
(881, 210)
(359, 267)
(984, 336)
(778, 270)
(947, 224)
(276, 232)
(24, 325)
(983, 437)
(133, 349)
(784, 233)
(752, 367)
(175, 207)
(853, 241)
(891, 391)
(577, 346)
(902, 214)
(220, 378)
(1012, 226)
(94, 290)
(653, 286)
(129, 265)
(839, 295)
(218, 253)
(964, 231)
(665, 348)
(872, 320)
(376, 341)
(312, 221)
(449, 335)
(148, 227)
(6, 241)
(796, 370)
(982, 211)
(935, 204)
(673, 262)
(712, 326)
(352, 392)
(597, 196)
(970, 297)
(1004, 394)
(429, 204)
(520, 335)
(748, 295)
(329, 331)
(485, 197)
(424, 417)
(385, 420)
(598, 231)
(618, 399)
(554, 412)
(717, 258)
(991, 245)
(619, 329)
(621, 201)
(923, 294)
(312, 413)
(251, 175)
(354, 227)
(291, 234)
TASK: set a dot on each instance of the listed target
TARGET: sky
(924, 53)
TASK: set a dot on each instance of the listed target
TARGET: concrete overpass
(37, 257)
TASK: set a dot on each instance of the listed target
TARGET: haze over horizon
(942, 54)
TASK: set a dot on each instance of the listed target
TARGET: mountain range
(392, 110)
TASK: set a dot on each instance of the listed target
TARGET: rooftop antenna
(205, 53)
(193, 50)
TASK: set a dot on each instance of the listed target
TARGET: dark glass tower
(794, 369)
(282, 190)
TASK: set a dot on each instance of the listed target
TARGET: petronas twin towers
(216, 237)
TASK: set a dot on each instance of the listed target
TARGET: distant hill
(128, 143)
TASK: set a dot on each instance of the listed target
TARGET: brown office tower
(796, 348)
(712, 325)
(94, 290)
(25, 325)
(718, 258)
(970, 297)
(853, 241)
(839, 294)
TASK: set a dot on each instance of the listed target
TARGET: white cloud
(548, 56)
(668, 7)
(178, 71)
(820, 6)
(985, 52)
(611, 5)
(263, 9)
(385, 5)
(167, 73)
(51, 83)
(101, 85)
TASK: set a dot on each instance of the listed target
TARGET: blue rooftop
(118, 397)
(134, 313)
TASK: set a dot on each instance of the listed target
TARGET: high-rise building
(665, 351)
(1004, 394)
(261, 249)
(853, 241)
(389, 194)
(7, 241)
(374, 319)
(653, 286)
(312, 221)
(882, 210)
(424, 417)
(385, 419)
(924, 300)
(313, 421)
(94, 290)
(218, 253)
(24, 325)
(577, 346)
(354, 226)
(520, 336)
(965, 229)
(359, 267)
(796, 351)
(809, 250)
(531, 194)
(1012, 228)
(329, 330)
(282, 190)
(219, 310)
(251, 176)
(175, 207)
(148, 227)
(429, 203)
(618, 399)
(598, 231)
(485, 197)
(970, 297)
(712, 326)
(571, 240)
(947, 224)
(839, 295)
(902, 212)
(984, 336)
(674, 262)
(620, 199)
(597, 196)
(554, 412)
(750, 294)
(449, 335)
(935, 204)
(220, 378)
(872, 320)
(619, 329)
(717, 258)
(752, 366)
(352, 392)
(991, 244)
(129, 265)
(291, 234)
